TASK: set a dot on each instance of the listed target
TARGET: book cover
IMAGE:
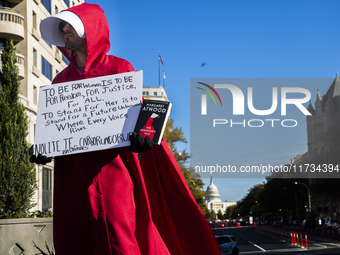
(152, 119)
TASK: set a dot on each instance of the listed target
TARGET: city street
(267, 240)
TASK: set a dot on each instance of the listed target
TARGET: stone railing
(17, 235)
(11, 15)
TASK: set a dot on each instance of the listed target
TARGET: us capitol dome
(213, 200)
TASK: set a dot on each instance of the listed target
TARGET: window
(47, 179)
(49, 44)
(47, 189)
(67, 2)
(65, 59)
(155, 93)
(35, 57)
(2, 43)
(35, 94)
(47, 4)
(223, 239)
(34, 20)
(46, 68)
(145, 93)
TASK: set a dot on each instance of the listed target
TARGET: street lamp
(309, 198)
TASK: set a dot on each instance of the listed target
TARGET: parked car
(327, 224)
(335, 225)
(308, 224)
(297, 223)
(221, 224)
(277, 224)
(269, 222)
(228, 244)
(284, 222)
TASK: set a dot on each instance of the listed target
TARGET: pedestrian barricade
(291, 237)
(296, 238)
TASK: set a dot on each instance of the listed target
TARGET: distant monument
(213, 199)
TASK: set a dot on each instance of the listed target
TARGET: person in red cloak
(108, 202)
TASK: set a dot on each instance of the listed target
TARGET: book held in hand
(152, 119)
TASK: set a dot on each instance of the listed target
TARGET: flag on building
(160, 58)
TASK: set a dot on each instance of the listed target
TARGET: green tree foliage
(284, 194)
(251, 202)
(172, 136)
(220, 214)
(17, 174)
(212, 215)
(230, 212)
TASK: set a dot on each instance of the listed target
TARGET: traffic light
(305, 205)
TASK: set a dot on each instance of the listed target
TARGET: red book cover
(152, 119)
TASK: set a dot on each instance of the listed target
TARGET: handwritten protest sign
(87, 115)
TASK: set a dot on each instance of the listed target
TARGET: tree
(220, 214)
(282, 194)
(172, 136)
(17, 174)
(230, 212)
(251, 201)
(212, 215)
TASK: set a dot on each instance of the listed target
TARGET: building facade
(323, 132)
(213, 200)
(155, 93)
(323, 123)
(39, 62)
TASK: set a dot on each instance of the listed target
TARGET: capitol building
(213, 199)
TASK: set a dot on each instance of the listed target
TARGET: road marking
(256, 246)
(332, 244)
(320, 245)
(277, 251)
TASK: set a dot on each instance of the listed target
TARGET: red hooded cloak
(107, 202)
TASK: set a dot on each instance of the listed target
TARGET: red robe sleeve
(175, 212)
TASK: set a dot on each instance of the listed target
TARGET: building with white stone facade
(213, 200)
(39, 62)
(155, 93)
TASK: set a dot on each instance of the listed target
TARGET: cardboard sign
(87, 115)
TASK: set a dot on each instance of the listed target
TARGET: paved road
(254, 241)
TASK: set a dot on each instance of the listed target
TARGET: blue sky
(235, 39)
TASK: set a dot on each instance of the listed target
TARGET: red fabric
(107, 202)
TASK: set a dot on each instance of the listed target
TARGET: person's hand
(139, 144)
(40, 159)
